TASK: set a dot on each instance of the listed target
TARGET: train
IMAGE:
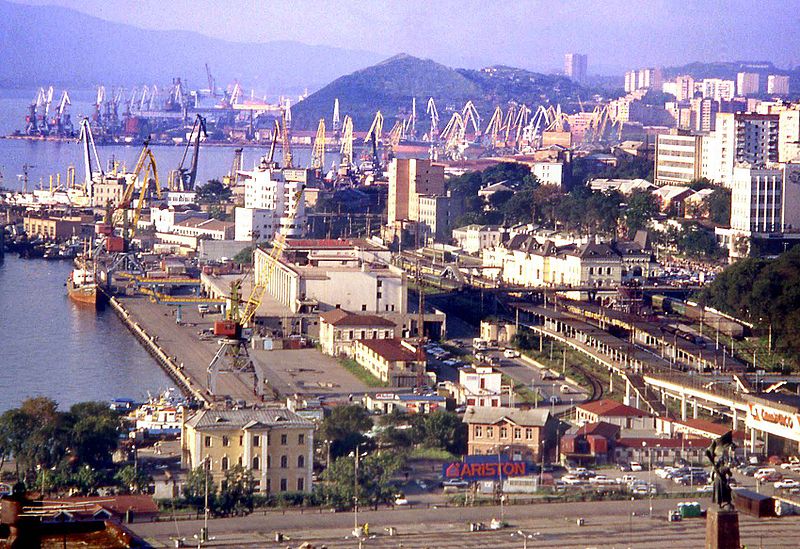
(708, 317)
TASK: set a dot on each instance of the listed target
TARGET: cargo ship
(82, 287)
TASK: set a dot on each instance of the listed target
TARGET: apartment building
(778, 84)
(273, 203)
(575, 65)
(339, 330)
(747, 84)
(395, 362)
(522, 434)
(678, 158)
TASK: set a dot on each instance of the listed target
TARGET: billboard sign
(475, 468)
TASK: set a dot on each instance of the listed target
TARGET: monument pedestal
(722, 529)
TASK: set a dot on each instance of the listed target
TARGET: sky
(616, 34)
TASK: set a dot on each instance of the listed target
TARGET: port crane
(186, 177)
(286, 149)
(232, 179)
(318, 151)
(346, 147)
(86, 138)
(233, 343)
(146, 162)
(374, 135)
(336, 120)
(434, 114)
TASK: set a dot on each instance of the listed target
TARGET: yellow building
(395, 362)
(339, 329)
(276, 445)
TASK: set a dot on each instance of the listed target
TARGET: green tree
(194, 488)
(345, 428)
(375, 473)
(93, 432)
(718, 206)
(696, 241)
(236, 491)
(441, 429)
(641, 208)
(133, 480)
(213, 192)
(36, 435)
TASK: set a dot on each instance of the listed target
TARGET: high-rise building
(272, 203)
(631, 81)
(684, 88)
(718, 89)
(410, 178)
(766, 200)
(789, 135)
(575, 66)
(777, 84)
(704, 112)
(747, 83)
(678, 158)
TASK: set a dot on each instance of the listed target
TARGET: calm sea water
(48, 345)
(53, 347)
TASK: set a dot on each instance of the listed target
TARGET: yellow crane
(146, 162)
(494, 127)
(318, 152)
(346, 148)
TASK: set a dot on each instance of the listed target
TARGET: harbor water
(51, 346)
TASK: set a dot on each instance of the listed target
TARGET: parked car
(600, 479)
(636, 466)
(572, 480)
(705, 489)
(786, 484)
(511, 353)
(455, 483)
(401, 500)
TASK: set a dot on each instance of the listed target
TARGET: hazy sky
(616, 34)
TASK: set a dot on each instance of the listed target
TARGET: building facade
(276, 445)
(273, 203)
(474, 238)
(778, 84)
(521, 434)
(765, 201)
(575, 66)
(747, 83)
(678, 158)
(395, 362)
(339, 330)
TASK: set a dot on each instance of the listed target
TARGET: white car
(787, 483)
(571, 480)
(510, 353)
(636, 466)
(401, 501)
(600, 479)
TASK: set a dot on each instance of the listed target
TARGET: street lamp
(500, 482)
(649, 476)
(525, 537)
(356, 454)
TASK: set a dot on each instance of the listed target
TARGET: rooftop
(239, 419)
(612, 408)
(485, 415)
(390, 349)
(340, 317)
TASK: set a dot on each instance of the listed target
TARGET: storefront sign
(773, 421)
(475, 468)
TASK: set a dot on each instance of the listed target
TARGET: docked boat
(160, 416)
(82, 286)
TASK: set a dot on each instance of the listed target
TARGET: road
(605, 524)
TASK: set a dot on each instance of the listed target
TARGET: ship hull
(85, 295)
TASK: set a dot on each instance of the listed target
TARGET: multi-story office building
(575, 66)
(678, 158)
(777, 84)
(410, 178)
(747, 83)
(766, 200)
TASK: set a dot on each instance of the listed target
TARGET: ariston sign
(485, 468)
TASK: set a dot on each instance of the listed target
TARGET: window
(207, 441)
(284, 439)
(478, 431)
(301, 485)
(284, 462)
(256, 441)
(256, 463)
(226, 441)
(224, 463)
(240, 461)
(517, 433)
(301, 438)
(301, 461)
(241, 440)
(364, 307)
(503, 432)
(529, 434)
(490, 432)
(269, 462)
(283, 485)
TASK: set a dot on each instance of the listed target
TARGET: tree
(375, 472)
(344, 428)
(244, 257)
(641, 208)
(194, 488)
(441, 429)
(132, 479)
(94, 432)
(236, 491)
(695, 241)
(718, 206)
(213, 192)
(36, 435)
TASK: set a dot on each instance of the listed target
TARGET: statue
(720, 454)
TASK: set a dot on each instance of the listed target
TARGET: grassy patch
(523, 393)
(423, 452)
(362, 374)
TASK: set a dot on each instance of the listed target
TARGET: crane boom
(318, 152)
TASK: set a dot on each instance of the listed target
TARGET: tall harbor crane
(494, 127)
(336, 121)
(87, 139)
(434, 114)
(374, 135)
(233, 346)
(232, 178)
(146, 163)
(286, 148)
(318, 151)
(346, 148)
(186, 176)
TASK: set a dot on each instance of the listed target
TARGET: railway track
(597, 386)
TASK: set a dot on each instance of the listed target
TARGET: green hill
(390, 86)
